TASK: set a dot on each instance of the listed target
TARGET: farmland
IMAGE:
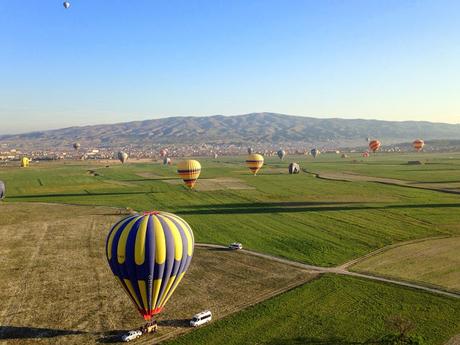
(303, 218)
(434, 261)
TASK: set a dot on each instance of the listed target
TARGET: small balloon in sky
(66, 4)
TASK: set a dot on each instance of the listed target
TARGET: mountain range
(270, 128)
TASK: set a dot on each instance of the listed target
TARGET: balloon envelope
(249, 150)
(374, 145)
(281, 154)
(254, 162)
(315, 152)
(76, 146)
(294, 168)
(122, 156)
(189, 171)
(25, 162)
(2, 190)
(149, 255)
(418, 144)
(66, 4)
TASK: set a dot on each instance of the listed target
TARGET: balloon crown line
(148, 213)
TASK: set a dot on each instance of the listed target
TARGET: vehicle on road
(201, 318)
(235, 246)
(131, 335)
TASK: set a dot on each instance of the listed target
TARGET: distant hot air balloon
(163, 152)
(344, 155)
(149, 255)
(66, 4)
(254, 162)
(167, 161)
(418, 144)
(122, 156)
(76, 146)
(2, 190)
(315, 152)
(368, 139)
(281, 153)
(25, 162)
(189, 171)
(365, 154)
(374, 145)
(249, 150)
(294, 168)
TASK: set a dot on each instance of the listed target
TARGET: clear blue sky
(122, 60)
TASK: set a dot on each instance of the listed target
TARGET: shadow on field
(75, 194)
(317, 341)
(13, 332)
(175, 323)
(299, 207)
(112, 337)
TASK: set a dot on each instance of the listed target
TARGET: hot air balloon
(374, 145)
(216, 155)
(122, 156)
(66, 4)
(294, 168)
(25, 162)
(149, 254)
(189, 171)
(344, 155)
(315, 152)
(167, 161)
(249, 150)
(281, 153)
(365, 154)
(76, 146)
(163, 152)
(418, 144)
(254, 162)
(2, 190)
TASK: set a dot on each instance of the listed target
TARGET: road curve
(337, 270)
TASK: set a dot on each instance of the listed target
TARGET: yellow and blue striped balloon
(149, 254)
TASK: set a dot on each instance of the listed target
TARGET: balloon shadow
(15, 332)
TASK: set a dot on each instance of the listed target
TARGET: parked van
(201, 318)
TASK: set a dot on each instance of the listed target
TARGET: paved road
(338, 270)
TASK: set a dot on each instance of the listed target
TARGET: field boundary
(344, 271)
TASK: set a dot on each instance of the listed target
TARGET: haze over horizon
(101, 63)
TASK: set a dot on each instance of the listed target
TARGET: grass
(56, 286)
(333, 310)
(435, 262)
(297, 217)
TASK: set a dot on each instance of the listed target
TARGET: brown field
(56, 287)
(433, 262)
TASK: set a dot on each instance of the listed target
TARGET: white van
(201, 318)
(131, 335)
(235, 246)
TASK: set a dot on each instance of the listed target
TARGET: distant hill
(242, 129)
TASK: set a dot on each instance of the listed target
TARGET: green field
(333, 310)
(298, 217)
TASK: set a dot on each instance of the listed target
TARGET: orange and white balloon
(418, 144)
(374, 145)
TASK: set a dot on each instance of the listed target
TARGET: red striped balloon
(374, 145)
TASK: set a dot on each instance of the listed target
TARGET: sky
(122, 60)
